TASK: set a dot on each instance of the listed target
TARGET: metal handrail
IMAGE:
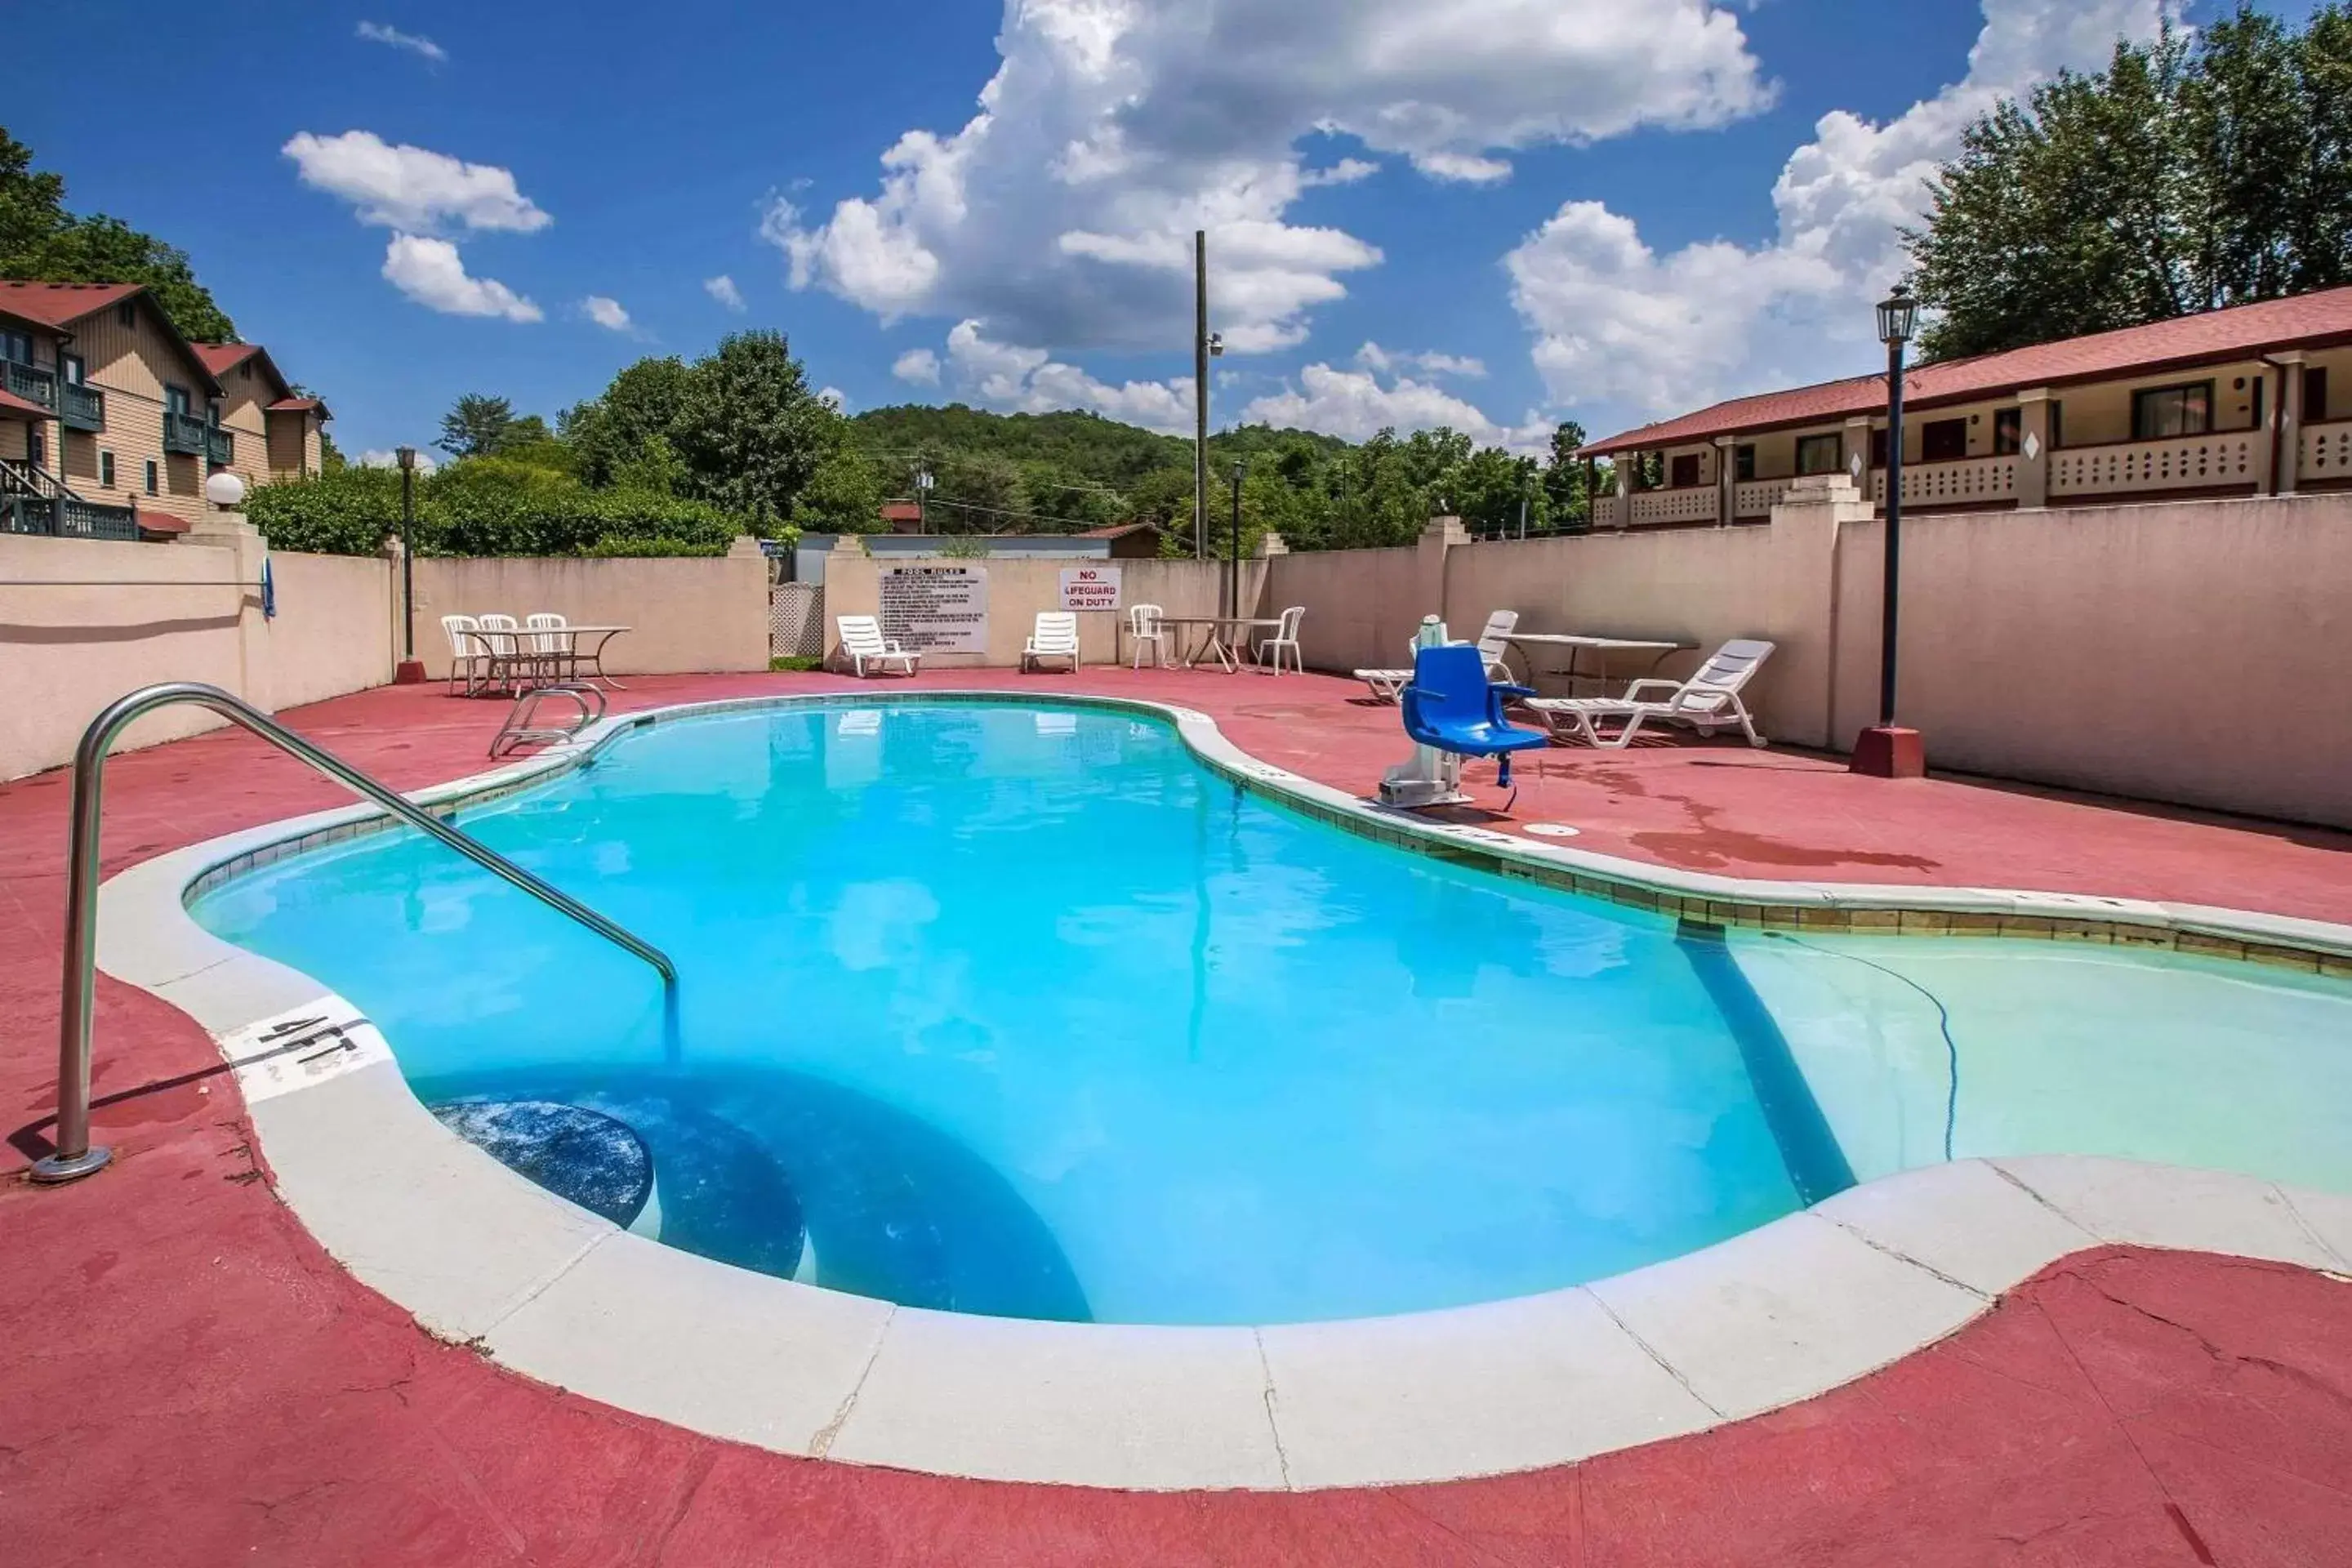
(74, 1158)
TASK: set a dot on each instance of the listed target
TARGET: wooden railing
(2177, 463)
(29, 382)
(2326, 451)
(67, 517)
(1691, 503)
(80, 408)
(1962, 482)
(183, 433)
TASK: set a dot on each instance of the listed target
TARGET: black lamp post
(1887, 749)
(411, 669)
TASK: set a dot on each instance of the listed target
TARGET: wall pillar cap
(745, 547)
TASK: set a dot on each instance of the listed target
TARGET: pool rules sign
(1090, 587)
(936, 607)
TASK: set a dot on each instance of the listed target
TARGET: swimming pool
(1020, 1011)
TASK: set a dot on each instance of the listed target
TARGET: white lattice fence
(796, 620)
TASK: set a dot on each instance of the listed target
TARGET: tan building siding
(133, 365)
(287, 458)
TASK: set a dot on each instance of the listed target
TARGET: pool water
(1021, 1011)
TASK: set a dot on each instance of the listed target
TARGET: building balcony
(29, 382)
(67, 517)
(220, 446)
(80, 408)
(185, 433)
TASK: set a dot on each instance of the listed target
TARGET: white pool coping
(1769, 1318)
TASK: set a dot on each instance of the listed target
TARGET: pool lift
(1452, 712)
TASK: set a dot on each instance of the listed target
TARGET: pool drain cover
(1551, 830)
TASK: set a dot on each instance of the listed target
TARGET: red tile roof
(221, 358)
(295, 404)
(1117, 530)
(61, 304)
(2240, 332)
(162, 522)
(10, 404)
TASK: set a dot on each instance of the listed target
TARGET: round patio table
(513, 658)
(1227, 635)
(1600, 647)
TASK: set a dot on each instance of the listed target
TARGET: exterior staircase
(35, 500)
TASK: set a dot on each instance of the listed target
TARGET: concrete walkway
(186, 1378)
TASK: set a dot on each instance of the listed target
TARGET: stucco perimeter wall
(83, 621)
(1019, 588)
(1362, 605)
(688, 614)
(2187, 652)
(332, 632)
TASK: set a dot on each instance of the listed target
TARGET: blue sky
(1528, 209)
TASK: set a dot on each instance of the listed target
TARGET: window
(16, 345)
(105, 470)
(127, 314)
(2314, 394)
(1686, 470)
(153, 488)
(176, 399)
(2008, 432)
(1820, 454)
(245, 371)
(37, 445)
(1944, 440)
(1743, 463)
(69, 369)
(2161, 411)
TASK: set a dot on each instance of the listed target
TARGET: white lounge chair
(1286, 636)
(862, 640)
(1708, 702)
(1144, 626)
(1057, 637)
(1493, 642)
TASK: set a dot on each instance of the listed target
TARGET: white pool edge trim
(1764, 1320)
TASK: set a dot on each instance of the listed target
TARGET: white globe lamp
(225, 489)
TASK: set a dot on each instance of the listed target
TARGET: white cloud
(1373, 357)
(1624, 334)
(431, 272)
(834, 395)
(919, 367)
(1358, 405)
(411, 188)
(383, 33)
(722, 288)
(1063, 212)
(1346, 172)
(607, 313)
(1016, 380)
(385, 458)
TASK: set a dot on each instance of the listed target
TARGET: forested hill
(1083, 445)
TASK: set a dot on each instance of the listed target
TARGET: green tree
(844, 496)
(1568, 508)
(750, 431)
(477, 426)
(40, 240)
(614, 433)
(2192, 174)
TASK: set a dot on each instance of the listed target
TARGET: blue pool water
(1020, 1011)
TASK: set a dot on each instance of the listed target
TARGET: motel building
(2252, 401)
(110, 421)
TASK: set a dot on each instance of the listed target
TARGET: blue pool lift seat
(1450, 706)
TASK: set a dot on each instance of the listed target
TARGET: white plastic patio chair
(504, 656)
(466, 651)
(1144, 626)
(552, 644)
(1493, 642)
(862, 640)
(1057, 637)
(1709, 700)
(1286, 636)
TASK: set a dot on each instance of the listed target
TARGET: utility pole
(1200, 394)
(1233, 566)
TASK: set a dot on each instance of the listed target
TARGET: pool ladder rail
(518, 730)
(74, 1157)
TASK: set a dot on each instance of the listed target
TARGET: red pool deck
(185, 1378)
